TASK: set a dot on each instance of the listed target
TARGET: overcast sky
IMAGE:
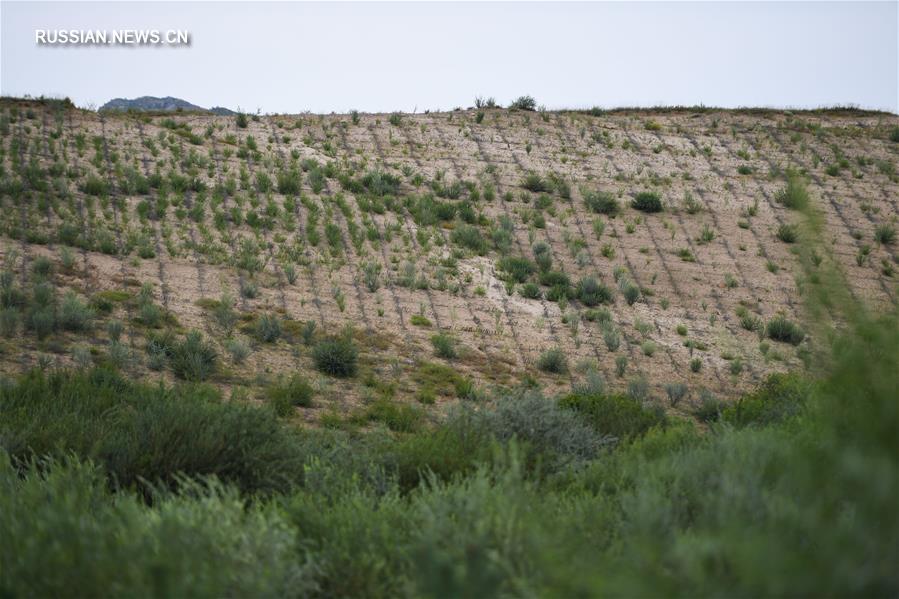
(291, 57)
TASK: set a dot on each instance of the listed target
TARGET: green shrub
(709, 408)
(885, 234)
(40, 316)
(336, 357)
(9, 321)
(629, 290)
(519, 269)
(534, 182)
(290, 182)
(268, 328)
(647, 201)
(371, 272)
(793, 195)
(601, 202)
(74, 314)
(616, 415)
(455, 447)
(530, 290)
(238, 349)
(41, 267)
(554, 435)
(610, 336)
(592, 293)
(524, 103)
(420, 320)
(553, 361)
(787, 233)
(444, 346)
(146, 432)
(543, 255)
(469, 237)
(781, 396)
(66, 534)
(284, 396)
(676, 392)
(781, 329)
(193, 359)
(398, 417)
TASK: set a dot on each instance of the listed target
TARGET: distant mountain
(167, 104)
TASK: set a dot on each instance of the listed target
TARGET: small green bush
(553, 361)
(398, 417)
(592, 293)
(336, 356)
(616, 415)
(780, 328)
(470, 237)
(543, 255)
(284, 396)
(524, 103)
(268, 328)
(193, 359)
(781, 396)
(146, 432)
(647, 201)
(554, 435)
(74, 314)
(885, 234)
(787, 233)
(444, 346)
(534, 182)
(530, 290)
(601, 202)
(518, 268)
(794, 195)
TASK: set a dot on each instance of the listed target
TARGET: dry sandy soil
(732, 163)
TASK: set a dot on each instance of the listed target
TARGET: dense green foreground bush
(142, 432)
(792, 494)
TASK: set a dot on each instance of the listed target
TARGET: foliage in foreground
(793, 494)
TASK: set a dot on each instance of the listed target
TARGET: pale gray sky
(290, 57)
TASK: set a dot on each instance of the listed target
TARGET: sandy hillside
(405, 226)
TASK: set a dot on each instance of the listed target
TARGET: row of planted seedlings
(709, 238)
(627, 278)
(642, 323)
(351, 238)
(605, 203)
(561, 284)
(429, 213)
(691, 206)
(420, 217)
(588, 286)
(537, 193)
(791, 193)
(264, 323)
(869, 214)
(439, 208)
(599, 202)
(551, 356)
(744, 265)
(744, 306)
(798, 199)
(611, 332)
